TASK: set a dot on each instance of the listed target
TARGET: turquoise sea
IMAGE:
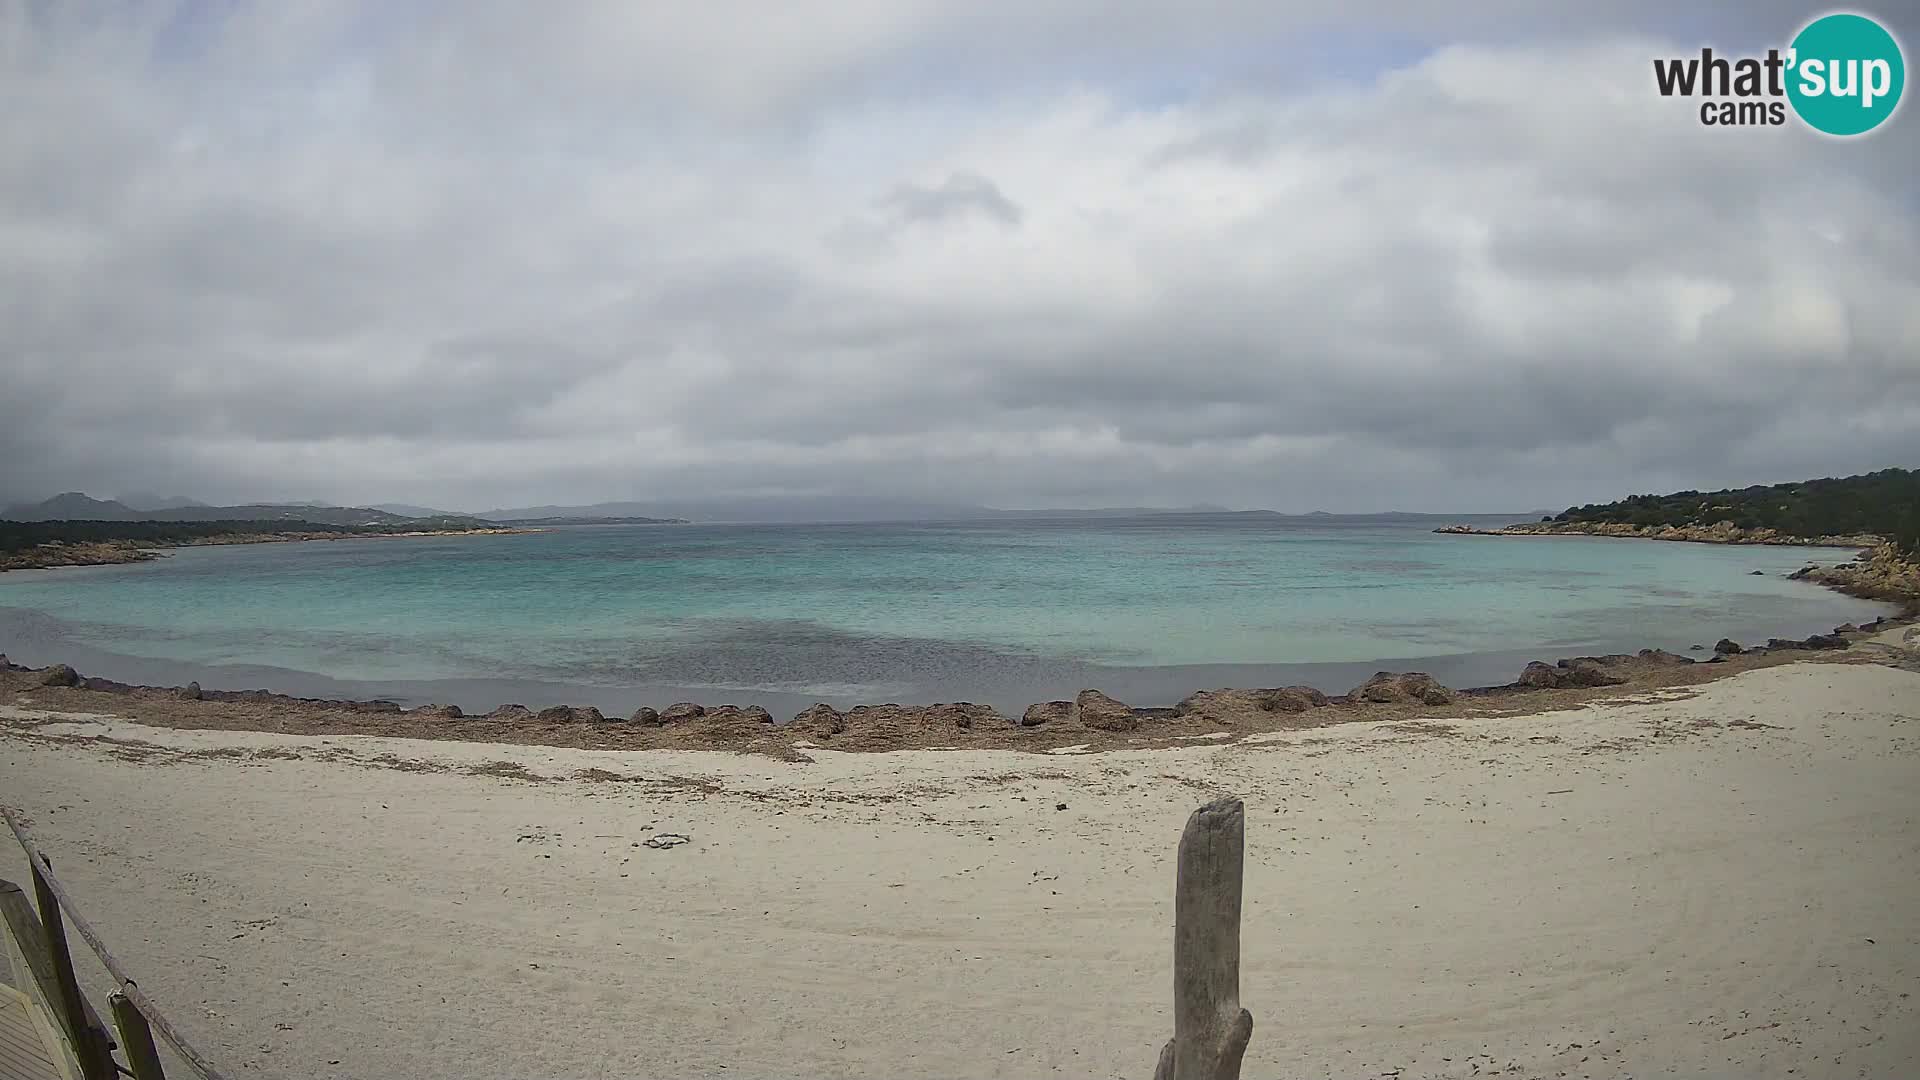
(1007, 613)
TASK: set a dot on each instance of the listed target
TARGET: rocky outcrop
(730, 723)
(1102, 713)
(1662, 656)
(1882, 574)
(59, 675)
(645, 716)
(820, 719)
(1292, 699)
(1231, 707)
(960, 715)
(439, 712)
(737, 714)
(1574, 673)
(511, 713)
(1389, 688)
(681, 712)
(1046, 712)
(878, 726)
(1815, 641)
(1728, 647)
(570, 714)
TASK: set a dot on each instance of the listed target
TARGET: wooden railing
(42, 938)
(1210, 1029)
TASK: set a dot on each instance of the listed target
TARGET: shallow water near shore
(1003, 613)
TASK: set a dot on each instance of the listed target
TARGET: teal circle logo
(1845, 74)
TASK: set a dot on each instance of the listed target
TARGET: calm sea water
(1005, 613)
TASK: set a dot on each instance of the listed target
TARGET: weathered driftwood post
(1210, 1029)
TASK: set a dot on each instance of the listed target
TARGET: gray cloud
(474, 258)
(962, 194)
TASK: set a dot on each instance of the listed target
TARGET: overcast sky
(1044, 252)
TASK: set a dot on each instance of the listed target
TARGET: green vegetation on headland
(26, 545)
(1854, 511)
(1884, 504)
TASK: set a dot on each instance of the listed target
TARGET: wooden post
(136, 1038)
(1210, 1029)
(96, 1062)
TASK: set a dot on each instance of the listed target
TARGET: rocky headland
(56, 553)
(1721, 532)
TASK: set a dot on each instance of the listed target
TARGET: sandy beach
(1713, 880)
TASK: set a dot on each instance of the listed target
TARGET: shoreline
(1090, 721)
(59, 555)
(1091, 717)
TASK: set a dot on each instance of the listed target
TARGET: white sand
(1703, 901)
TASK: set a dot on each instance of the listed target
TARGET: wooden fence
(42, 938)
(1210, 1029)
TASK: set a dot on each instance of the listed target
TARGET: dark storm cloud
(1249, 253)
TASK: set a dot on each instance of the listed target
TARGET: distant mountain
(143, 500)
(72, 506)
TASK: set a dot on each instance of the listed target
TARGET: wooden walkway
(29, 1050)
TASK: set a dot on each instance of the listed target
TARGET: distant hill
(1884, 503)
(143, 500)
(409, 510)
(534, 523)
(773, 509)
(74, 506)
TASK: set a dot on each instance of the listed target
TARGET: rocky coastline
(1721, 532)
(1090, 720)
(1877, 572)
(113, 552)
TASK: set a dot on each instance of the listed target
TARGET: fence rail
(42, 937)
